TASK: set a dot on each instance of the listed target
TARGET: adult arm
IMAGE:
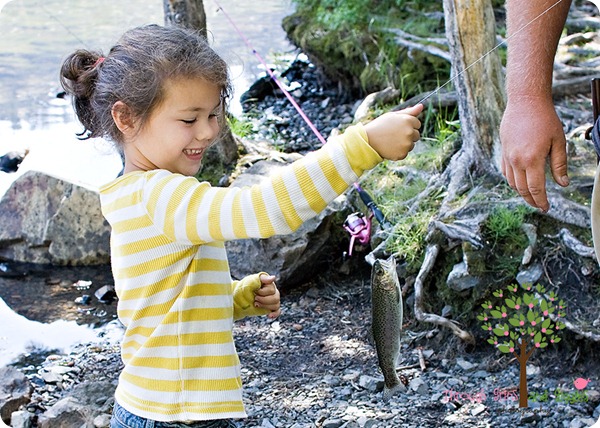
(531, 131)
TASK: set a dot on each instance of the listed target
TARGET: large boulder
(48, 220)
(15, 391)
(292, 258)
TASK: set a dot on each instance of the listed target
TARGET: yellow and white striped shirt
(177, 299)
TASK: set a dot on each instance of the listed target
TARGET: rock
(102, 421)
(21, 419)
(465, 365)
(333, 423)
(460, 279)
(419, 386)
(15, 391)
(530, 275)
(81, 407)
(106, 294)
(292, 258)
(10, 161)
(48, 220)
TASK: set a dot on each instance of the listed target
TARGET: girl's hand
(393, 134)
(267, 297)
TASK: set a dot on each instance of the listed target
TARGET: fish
(387, 313)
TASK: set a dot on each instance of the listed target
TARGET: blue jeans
(122, 418)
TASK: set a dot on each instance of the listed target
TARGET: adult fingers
(532, 188)
(558, 163)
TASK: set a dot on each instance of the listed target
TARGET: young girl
(160, 95)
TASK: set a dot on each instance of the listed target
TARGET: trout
(386, 300)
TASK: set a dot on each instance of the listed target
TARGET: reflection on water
(19, 335)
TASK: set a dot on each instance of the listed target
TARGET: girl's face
(179, 131)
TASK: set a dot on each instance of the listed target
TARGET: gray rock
(370, 383)
(81, 407)
(530, 275)
(333, 423)
(102, 421)
(292, 258)
(21, 419)
(15, 391)
(419, 386)
(465, 365)
(48, 220)
(459, 278)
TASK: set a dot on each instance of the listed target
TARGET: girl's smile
(178, 132)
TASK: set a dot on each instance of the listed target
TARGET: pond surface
(36, 36)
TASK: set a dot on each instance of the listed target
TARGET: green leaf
(496, 314)
(510, 303)
(499, 332)
(514, 322)
(537, 338)
(505, 349)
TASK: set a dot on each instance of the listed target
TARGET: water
(36, 36)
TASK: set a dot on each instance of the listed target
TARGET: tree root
(431, 254)
(577, 329)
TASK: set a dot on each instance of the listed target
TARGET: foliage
(523, 320)
(354, 42)
(241, 128)
(397, 187)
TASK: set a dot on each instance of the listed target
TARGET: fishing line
(272, 75)
(51, 15)
(452, 79)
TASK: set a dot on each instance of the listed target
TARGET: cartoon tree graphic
(523, 324)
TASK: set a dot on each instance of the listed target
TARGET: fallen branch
(431, 254)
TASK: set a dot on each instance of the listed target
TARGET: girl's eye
(214, 115)
(189, 122)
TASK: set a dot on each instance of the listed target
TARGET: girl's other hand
(267, 297)
(393, 134)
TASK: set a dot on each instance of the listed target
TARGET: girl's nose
(208, 131)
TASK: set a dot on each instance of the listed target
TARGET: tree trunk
(190, 14)
(186, 13)
(470, 29)
(523, 391)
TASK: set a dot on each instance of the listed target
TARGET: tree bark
(186, 13)
(479, 83)
(191, 14)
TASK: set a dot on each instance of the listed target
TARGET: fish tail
(389, 392)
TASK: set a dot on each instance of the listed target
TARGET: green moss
(354, 43)
(505, 241)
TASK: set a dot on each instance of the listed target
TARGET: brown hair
(135, 72)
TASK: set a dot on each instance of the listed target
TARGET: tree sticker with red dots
(526, 321)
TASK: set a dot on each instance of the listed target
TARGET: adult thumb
(558, 163)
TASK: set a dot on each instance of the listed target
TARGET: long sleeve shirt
(177, 299)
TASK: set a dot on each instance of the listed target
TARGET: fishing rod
(356, 224)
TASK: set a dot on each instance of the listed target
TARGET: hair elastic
(99, 61)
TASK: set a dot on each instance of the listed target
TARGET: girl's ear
(121, 114)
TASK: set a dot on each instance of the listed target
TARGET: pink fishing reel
(359, 228)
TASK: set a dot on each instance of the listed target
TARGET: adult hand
(267, 296)
(531, 132)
